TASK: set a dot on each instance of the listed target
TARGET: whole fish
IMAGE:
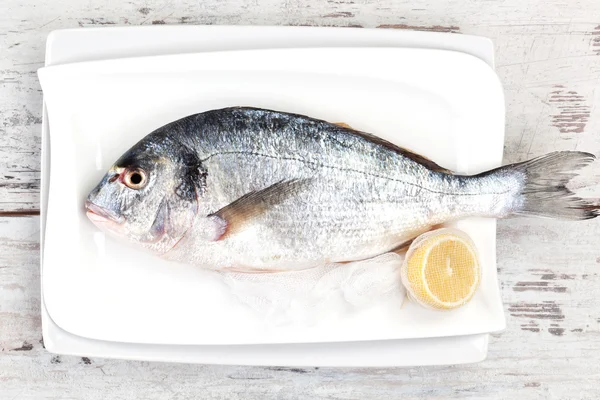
(257, 190)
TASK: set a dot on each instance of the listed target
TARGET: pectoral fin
(235, 216)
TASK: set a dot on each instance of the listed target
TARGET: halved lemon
(441, 269)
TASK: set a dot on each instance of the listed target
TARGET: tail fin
(545, 194)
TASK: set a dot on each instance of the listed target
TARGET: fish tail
(544, 193)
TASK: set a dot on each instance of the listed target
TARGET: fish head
(150, 195)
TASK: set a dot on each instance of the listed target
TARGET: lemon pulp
(441, 269)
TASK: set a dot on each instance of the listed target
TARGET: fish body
(260, 190)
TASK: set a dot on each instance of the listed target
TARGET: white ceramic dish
(161, 352)
(432, 101)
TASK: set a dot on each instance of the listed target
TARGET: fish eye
(135, 178)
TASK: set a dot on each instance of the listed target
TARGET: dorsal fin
(426, 162)
(343, 125)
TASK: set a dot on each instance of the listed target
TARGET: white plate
(435, 102)
(73, 45)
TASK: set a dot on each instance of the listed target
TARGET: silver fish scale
(362, 198)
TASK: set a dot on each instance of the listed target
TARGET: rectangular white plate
(434, 102)
(73, 45)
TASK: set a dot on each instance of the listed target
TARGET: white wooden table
(548, 58)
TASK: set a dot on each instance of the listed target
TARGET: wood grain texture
(548, 57)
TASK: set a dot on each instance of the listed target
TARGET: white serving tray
(435, 102)
(493, 159)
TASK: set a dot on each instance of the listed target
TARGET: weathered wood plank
(19, 282)
(548, 57)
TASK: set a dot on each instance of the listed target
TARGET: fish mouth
(98, 214)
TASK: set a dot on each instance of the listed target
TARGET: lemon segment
(441, 269)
